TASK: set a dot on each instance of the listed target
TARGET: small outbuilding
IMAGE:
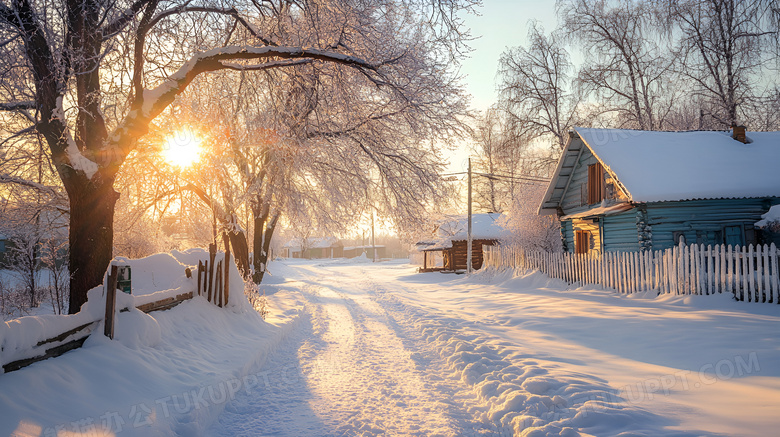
(313, 248)
(448, 249)
(355, 251)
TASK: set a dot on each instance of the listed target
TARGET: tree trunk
(260, 216)
(240, 252)
(261, 244)
(91, 238)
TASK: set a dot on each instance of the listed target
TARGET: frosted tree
(625, 64)
(503, 160)
(529, 229)
(536, 88)
(94, 74)
(723, 45)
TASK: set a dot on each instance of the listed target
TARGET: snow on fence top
(154, 278)
(671, 166)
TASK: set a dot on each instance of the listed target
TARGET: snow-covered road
(380, 350)
(351, 370)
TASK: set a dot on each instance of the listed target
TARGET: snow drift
(166, 372)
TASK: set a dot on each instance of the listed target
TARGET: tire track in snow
(522, 395)
(347, 373)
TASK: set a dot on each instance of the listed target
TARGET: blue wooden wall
(620, 232)
(704, 221)
(567, 235)
(699, 221)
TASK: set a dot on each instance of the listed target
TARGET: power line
(520, 177)
(502, 176)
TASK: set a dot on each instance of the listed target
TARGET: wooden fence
(213, 277)
(212, 283)
(749, 273)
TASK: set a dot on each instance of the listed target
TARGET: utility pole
(373, 241)
(468, 251)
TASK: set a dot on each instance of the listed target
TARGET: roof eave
(545, 210)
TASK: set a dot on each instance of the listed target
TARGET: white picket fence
(750, 273)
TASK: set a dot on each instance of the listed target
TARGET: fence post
(775, 276)
(227, 267)
(212, 257)
(218, 285)
(746, 273)
(750, 274)
(767, 289)
(200, 269)
(108, 326)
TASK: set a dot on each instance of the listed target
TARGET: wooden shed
(448, 250)
(313, 248)
(626, 190)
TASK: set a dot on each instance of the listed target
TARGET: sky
(501, 24)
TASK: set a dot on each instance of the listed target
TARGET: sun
(183, 148)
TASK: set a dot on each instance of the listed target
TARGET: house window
(733, 235)
(595, 183)
(581, 241)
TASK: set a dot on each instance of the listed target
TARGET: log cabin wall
(459, 253)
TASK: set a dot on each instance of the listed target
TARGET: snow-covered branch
(16, 106)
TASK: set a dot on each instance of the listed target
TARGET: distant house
(313, 248)
(354, 251)
(450, 242)
(624, 190)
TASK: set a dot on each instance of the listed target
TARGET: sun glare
(182, 149)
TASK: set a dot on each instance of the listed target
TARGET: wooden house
(625, 190)
(313, 248)
(450, 242)
(355, 251)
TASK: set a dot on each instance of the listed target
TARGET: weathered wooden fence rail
(749, 273)
(212, 283)
(56, 346)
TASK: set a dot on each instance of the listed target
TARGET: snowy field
(377, 349)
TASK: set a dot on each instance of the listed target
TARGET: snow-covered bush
(256, 298)
(529, 229)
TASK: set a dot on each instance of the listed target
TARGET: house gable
(570, 191)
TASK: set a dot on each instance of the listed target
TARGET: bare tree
(723, 45)
(54, 260)
(536, 88)
(624, 66)
(94, 74)
(498, 155)
(24, 260)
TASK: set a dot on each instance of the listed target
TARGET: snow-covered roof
(483, 227)
(602, 210)
(671, 166)
(455, 228)
(363, 247)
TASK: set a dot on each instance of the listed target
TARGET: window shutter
(595, 183)
(581, 242)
